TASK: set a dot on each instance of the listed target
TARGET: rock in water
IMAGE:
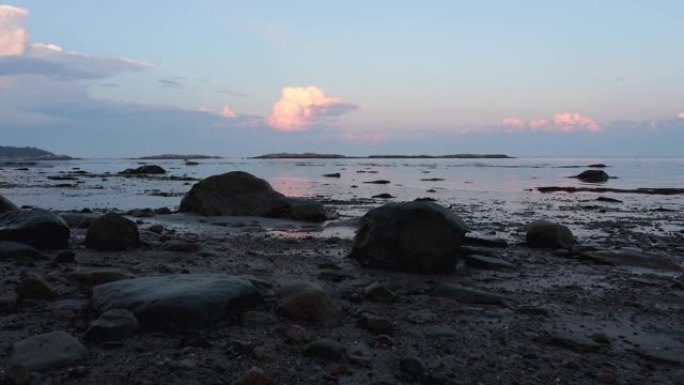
(112, 232)
(238, 193)
(148, 169)
(419, 237)
(52, 350)
(593, 176)
(6, 205)
(545, 234)
(36, 227)
(182, 300)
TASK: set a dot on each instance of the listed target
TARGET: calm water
(465, 181)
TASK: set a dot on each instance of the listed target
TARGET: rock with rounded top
(306, 301)
(179, 300)
(6, 205)
(545, 234)
(34, 286)
(324, 348)
(112, 232)
(146, 169)
(39, 228)
(19, 252)
(238, 193)
(98, 276)
(593, 176)
(418, 237)
(43, 352)
(114, 324)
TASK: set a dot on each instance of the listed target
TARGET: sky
(244, 78)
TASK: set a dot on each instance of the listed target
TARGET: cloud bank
(561, 122)
(13, 35)
(302, 107)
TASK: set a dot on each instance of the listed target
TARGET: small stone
(383, 340)
(112, 232)
(376, 292)
(325, 348)
(545, 234)
(35, 287)
(181, 247)
(297, 334)
(113, 324)
(8, 303)
(422, 316)
(308, 302)
(254, 376)
(256, 318)
(575, 342)
(156, 228)
(411, 366)
(65, 256)
(376, 325)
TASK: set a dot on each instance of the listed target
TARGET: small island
(29, 153)
(312, 155)
(304, 155)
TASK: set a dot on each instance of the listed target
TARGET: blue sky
(239, 78)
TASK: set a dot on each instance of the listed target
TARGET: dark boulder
(238, 193)
(39, 228)
(112, 232)
(147, 169)
(419, 237)
(593, 176)
(19, 252)
(545, 234)
(6, 205)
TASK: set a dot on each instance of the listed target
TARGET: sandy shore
(563, 318)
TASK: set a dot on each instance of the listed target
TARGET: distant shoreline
(392, 156)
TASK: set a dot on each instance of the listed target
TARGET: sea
(499, 187)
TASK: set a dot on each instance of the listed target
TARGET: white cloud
(13, 36)
(301, 107)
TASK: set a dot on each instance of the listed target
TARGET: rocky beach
(242, 283)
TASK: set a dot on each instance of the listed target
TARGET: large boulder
(112, 232)
(545, 234)
(593, 176)
(142, 170)
(420, 237)
(39, 228)
(180, 300)
(6, 205)
(47, 351)
(238, 193)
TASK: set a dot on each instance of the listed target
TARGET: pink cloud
(13, 36)
(513, 122)
(301, 107)
(226, 112)
(569, 122)
(680, 115)
(537, 124)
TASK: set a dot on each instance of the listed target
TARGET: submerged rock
(238, 193)
(182, 300)
(419, 237)
(545, 234)
(147, 169)
(36, 227)
(112, 232)
(593, 176)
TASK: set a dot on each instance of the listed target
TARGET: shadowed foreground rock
(112, 232)
(6, 205)
(238, 193)
(545, 234)
(52, 350)
(181, 300)
(419, 237)
(35, 227)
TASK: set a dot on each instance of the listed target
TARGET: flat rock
(573, 341)
(48, 351)
(468, 295)
(486, 262)
(39, 228)
(19, 252)
(181, 247)
(632, 257)
(99, 276)
(418, 237)
(112, 232)
(182, 300)
(376, 324)
(146, 169)
(377, 292)
(664, 356)
(545, 234)
(305, 301)
(113, 324)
